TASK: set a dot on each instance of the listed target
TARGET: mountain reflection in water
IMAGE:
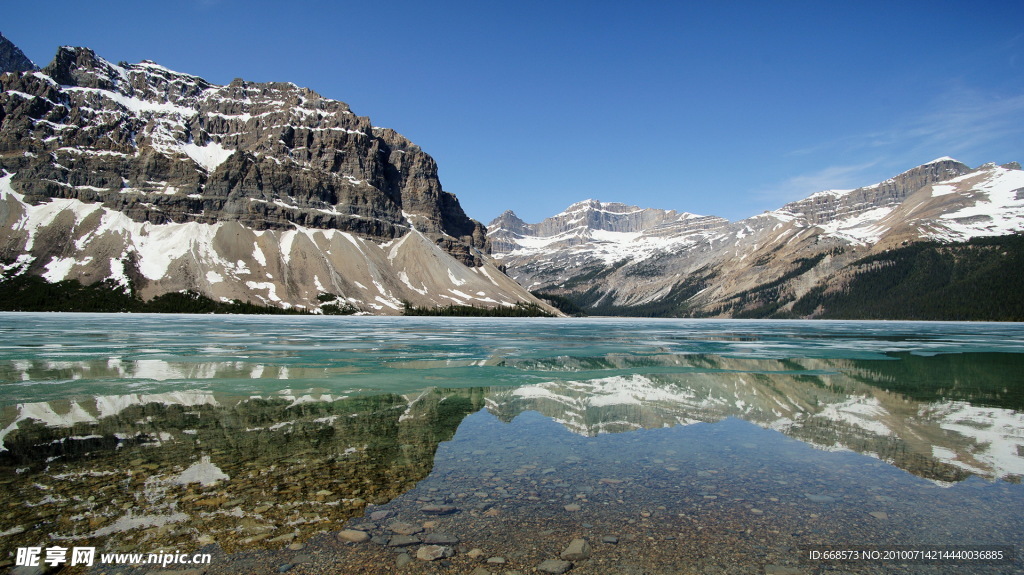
(746, 437)
(186, 468)
(941, 417)
(189, 468)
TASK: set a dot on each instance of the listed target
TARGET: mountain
(608, 231)
(153, 182)
(12, 59)
(829, 243)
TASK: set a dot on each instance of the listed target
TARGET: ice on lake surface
(696, 445)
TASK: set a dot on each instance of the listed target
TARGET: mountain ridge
(159, 181)
(715, 267)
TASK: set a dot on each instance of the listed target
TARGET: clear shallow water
(751, 436)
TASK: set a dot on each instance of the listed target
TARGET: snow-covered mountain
(157, 181)
(607, 232)
(681, 264)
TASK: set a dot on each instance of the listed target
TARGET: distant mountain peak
(588, 203)
(598, 205)
(942, 159)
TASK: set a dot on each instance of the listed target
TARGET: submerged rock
(353, 536)
(433, 552)
(438, 509)
(577, 550)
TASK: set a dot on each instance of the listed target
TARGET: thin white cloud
(960, 121)
(963, 123)
(829, 178)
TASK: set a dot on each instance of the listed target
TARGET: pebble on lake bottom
(353, 536)
(433, 552)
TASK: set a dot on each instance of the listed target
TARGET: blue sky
(724, 108)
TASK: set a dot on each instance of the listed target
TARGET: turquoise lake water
(754, 439)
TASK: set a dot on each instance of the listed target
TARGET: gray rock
(610, 539)
(402, 560)
(577, 550)
(433, 552)
(353, 536)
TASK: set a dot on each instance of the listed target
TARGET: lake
(668, 446)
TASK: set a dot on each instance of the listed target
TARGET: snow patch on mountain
(863, 228)
(208, 156)
(998, 207)
(236, 263)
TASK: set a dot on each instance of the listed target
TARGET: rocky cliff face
(12, 59)
(160, 181)
(706, 266)
(166, 147)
